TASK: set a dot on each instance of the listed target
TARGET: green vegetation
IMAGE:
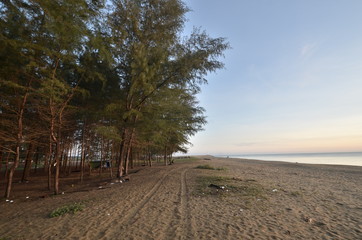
(207, 166)
(71, 208)
(296, 194)
(231, 190)
(114, 82)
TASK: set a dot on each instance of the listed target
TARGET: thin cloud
(308, 50)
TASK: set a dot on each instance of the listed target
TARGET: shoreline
(307, 158)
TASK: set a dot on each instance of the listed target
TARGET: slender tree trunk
(12, 171)
(131, 160)
(58, 153)
(64, 158)
(1, 162)
(149, 160)
(114, 151)
(170, 159)
(28, 160)
(6, 166)
(49, 168)
(36, 159)
(121, 154)
(19, 139)
(83, 156)
(165, 156)
(128, 154)
(57, 168)
(129, 148)
(46, 161)
(121, 160)
(102, 156)
(70, 159)
(78, 161)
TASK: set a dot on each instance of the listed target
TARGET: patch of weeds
(249, 194)
(244, 188)
(3, 238)
(296, 194)
(207, 166)
(71, 208)
(220, 168)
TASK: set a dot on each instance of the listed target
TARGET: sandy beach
(237, 199)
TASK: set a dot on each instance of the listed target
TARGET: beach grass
(243, 194)
(70, 208)
(209, 167)
(208, 185)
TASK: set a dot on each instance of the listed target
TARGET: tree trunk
(70, 160)
(149, 160)
(78, 161)
(165, 156)
(49, 167)
(64, 158)
(28, 160)
(46, 161)
(127, 159)
(121, 154)
(6, 166)
(131, 160)
(57, 167)
(102, 156)
(121, 160)
(82, 165)
(37, 159)
(1, 162)
(129, 148)
(19, 140)
(12, 171)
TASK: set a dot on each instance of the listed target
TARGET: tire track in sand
(126, 219)
(184, 228)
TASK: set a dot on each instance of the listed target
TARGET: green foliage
(124, 74)
(207, 166)
(296, 193)
(109, 132)
(71, 208)
(246, 190)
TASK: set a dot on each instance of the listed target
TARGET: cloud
(308, 50)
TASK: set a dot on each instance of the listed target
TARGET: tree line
(98, 80)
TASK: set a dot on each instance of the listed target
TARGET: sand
(259, 200)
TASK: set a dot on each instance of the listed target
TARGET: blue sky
(292, 81)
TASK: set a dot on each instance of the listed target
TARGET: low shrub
(72, 208)
(207, 166)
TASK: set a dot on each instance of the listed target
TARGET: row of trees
(114, 81)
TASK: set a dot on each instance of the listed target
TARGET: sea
(335, 158)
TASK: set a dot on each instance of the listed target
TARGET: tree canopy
(109, 82)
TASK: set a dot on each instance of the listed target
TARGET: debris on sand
(217, 186)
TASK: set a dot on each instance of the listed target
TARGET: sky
(292, 81)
